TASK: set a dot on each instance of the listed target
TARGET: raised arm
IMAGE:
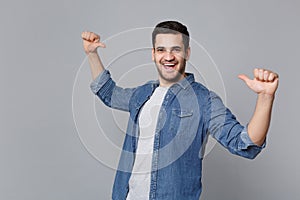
(91, 42)
(103, 85)
(264, 83)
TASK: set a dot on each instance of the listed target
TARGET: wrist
(92, 54)
(266, 97)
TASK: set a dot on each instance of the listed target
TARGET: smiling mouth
(169, 66)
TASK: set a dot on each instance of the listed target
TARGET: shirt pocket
(182, 113)
(178, 128)
(180, 120)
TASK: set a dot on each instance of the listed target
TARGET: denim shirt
(189, 113)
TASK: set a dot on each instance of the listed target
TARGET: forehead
(168, 40)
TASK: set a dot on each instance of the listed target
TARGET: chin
(172, 78)
(170, 75)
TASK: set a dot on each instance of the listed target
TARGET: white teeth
(169, 64)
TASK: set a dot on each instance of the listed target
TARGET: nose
(169, 56)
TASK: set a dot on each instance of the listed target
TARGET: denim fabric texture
(189, 113)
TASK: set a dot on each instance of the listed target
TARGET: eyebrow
(174, 47)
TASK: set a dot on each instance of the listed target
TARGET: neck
(166, 83)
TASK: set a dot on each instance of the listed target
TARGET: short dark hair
(172, 27)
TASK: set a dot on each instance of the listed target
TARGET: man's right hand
(91, 41)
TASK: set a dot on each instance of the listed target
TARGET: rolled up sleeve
(111, 95)
(100, 81)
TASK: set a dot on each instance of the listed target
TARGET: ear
(188, 53)
(153, 54)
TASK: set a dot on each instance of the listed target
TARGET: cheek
(180, 57)
(156, 58)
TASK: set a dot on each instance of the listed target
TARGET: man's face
(170, 58)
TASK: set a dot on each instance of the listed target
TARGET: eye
(176, 49)
(160, 49)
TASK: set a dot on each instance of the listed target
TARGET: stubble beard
(172, 79)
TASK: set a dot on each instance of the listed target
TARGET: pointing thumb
(244, 78)
(100, 44)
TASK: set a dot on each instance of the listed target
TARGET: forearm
(260, 121)
(96, 65)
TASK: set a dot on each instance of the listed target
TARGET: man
(171, 118)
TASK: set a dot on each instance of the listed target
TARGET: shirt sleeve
(224, 127)
(111, 95)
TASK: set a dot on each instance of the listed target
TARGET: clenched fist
(91, 41)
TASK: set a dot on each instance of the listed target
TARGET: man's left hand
(264, 81)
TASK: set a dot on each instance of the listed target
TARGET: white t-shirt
(139, 183)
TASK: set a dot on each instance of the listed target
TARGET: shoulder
(147, 86)
(144, 90)
(200, 89)
(205, 96)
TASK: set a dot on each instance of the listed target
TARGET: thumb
(245, 78)
(100, 44)
(93, 47)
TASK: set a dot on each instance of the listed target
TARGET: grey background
(41, 154)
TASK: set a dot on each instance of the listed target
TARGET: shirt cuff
(248, 142)
(99, 81)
